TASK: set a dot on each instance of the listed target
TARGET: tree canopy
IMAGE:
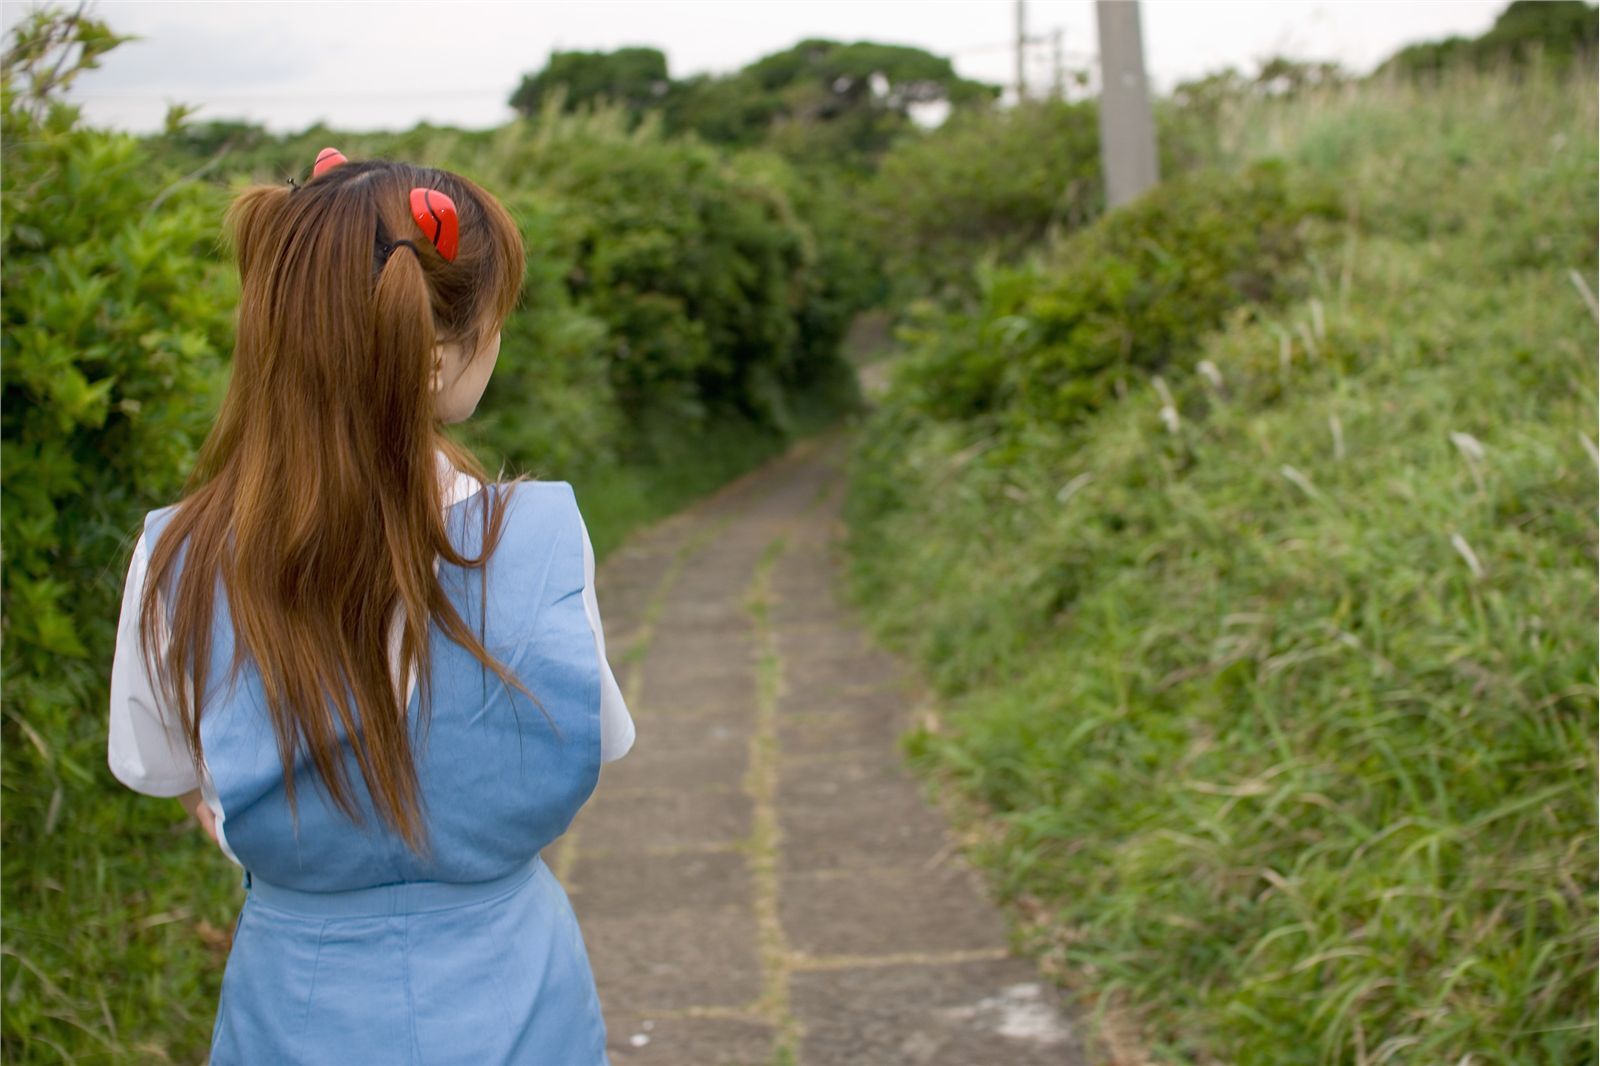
(846, 100)
(1554, 31)
(634, 77)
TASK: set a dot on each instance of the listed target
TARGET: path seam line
(761, 781)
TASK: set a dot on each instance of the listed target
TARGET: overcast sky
(386, 64)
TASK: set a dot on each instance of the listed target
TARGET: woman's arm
(145, 747)
(195, 804)
(616, 724)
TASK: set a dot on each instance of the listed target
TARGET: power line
(1007, 46)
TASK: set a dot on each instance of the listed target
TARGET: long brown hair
(316, 496)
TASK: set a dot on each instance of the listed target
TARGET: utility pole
(1060, 86)
(1022, 44)
(1127, 130)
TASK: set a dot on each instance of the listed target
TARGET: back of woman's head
(317, 498)
(337, 321)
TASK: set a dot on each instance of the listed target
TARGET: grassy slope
(1286, 721)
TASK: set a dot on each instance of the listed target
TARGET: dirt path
(760, 881)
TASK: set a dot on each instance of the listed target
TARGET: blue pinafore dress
(349, 949)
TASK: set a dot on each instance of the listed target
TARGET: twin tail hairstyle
(316, 499)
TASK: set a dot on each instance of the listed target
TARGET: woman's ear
(436, 379)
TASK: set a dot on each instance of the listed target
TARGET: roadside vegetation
(1248, 536)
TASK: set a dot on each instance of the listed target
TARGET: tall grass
(1276, 686)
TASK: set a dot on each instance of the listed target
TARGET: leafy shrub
(845, 275)
(1061, 336)
(982, 184)
(549, 408)
(698, 271)
(670, 283)
(1554, 33)
(115, 319)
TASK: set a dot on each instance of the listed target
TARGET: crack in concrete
(761, 781)
(811, 963)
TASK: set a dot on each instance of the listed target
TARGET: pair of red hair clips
(434, 211)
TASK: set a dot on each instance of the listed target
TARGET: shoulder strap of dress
(155, 523)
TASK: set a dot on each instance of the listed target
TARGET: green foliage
(48, 51)
(982, 186)
(731, 110)
(114, 321)
(550, 407)
(847, 70)
(845, 274)
(207, 139)
(1275, 681)
(1189, 120)
(1060, 337)
(633, 77)
(698, 271)
(852, 100)
(670, 282)
(1555, 33)
(818, 101)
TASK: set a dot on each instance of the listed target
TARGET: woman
(405, 689)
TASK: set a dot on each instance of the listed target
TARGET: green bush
(844, 275)
(671, 283)
(1063, 335)
(984, 184)
(1552, 33)
(697, 271)
(549, 408)
(116, 316)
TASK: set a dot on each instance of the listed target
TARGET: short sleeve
(616, 724)
(146, 749)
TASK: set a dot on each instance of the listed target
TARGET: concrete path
(760, 881)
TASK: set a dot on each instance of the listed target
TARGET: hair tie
(388, 249)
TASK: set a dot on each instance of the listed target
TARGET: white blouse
(147, 751)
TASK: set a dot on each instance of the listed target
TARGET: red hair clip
(436, 215)
(434, 211)
(327, 159)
